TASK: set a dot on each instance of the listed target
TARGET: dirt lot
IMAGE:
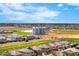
(60, 35)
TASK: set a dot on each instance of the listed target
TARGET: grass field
(62, 31)
(19, 33)
(70, 39)
(15, 30)
(23, 33)
(18, 45)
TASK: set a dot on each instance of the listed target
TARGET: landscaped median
(18, 45)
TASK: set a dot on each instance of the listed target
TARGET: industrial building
(40, 30)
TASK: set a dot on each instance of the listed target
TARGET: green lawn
(70, 39)
(62, 31)
(17, 32)
(18, 45)
(23, 33)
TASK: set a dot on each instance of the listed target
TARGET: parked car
(3, 41)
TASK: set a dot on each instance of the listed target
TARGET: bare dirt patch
(60, 35)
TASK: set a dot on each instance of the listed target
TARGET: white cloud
(45, 12)
(39, 13)
(60, 5)
(15, 6)
(73, 4)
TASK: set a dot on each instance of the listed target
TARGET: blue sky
(39, 13)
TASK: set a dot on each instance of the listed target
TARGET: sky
(39, 13)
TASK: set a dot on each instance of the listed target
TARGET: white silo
(40, 30)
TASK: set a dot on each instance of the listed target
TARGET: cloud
(73, 4)
(45, 12)
(60, 5)
(18, 11)
(15, 6)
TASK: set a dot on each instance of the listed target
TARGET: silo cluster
(40, 30)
